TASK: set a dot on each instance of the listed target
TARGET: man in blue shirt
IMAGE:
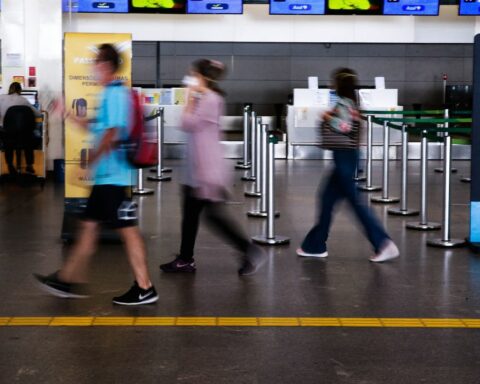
(108, 202)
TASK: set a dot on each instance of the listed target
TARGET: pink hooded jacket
(207, 172)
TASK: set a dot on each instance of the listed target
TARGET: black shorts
(111, 206)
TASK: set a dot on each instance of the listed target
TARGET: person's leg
(192, 208)
(315, 241)
(29, 158)
(9, 160)
(346, 161)
(223, 223)
(137, 255)
(75, 268)
(18, 156)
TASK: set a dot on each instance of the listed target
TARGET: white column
(32, 36)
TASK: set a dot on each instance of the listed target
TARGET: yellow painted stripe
(237, 321)
(197, 321)
(155, 321)
(360, 322)
(29, 321)
(240, 322)
(113, 321)
(443, 323)
(4, 321)
(319, 322)
(471, 323)
(279, 322)
(71, 321)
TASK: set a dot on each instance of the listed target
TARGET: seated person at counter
(10, 139)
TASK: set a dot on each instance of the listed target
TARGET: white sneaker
(302, 253)
(388, 252)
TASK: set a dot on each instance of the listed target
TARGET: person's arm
(107, 144)
(198, 112)
(341, 120)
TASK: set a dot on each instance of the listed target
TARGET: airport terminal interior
(405, 310)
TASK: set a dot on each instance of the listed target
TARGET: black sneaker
(179, 265)
(254, 259)
(54, 286)
(137, 296)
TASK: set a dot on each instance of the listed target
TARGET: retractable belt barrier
(251, 174)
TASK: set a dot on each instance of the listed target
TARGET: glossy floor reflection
(424, 282)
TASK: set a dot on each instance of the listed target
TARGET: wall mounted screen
(354, 7)
(93, 6)
(157, 6)
(469, 8)
(212, 7)
(297, 7)
(411, 7)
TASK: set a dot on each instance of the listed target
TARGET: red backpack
(142, 145)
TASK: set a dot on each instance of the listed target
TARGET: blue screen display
(94, 6)
(469, 8)
(411, 7)
(297, 7)
(210, 6)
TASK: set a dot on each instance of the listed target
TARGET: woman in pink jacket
(206, 184)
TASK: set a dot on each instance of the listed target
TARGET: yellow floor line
(318, 322)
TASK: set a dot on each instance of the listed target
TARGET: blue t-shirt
(114, 112)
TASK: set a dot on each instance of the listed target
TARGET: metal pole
(446, 241)
(403, 210)
(261, 212)
(140, 190)
(446, 115)
(245, 164)
(385, 198)
(160, 131)
(251, 176)
(368, 187)
(270, 238)
(257, 159)
(424, 224)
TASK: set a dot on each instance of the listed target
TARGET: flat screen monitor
(94, 6)
(469, 8)
(354, 7)
(411, 7)
(297, 7)
(157, 6)
(206, 7)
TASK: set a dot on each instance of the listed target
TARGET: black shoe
(179, 265)
(29, 169)
(254, 259)
(137, 296)
(54, 286)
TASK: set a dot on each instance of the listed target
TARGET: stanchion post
(368, 187)
(245, 163)
(385, 198)
(160, 132)
(251, 174)
(446, 241)
(270, 238)
(258, 155)
(140, 190)
(403, 210)
(446, 115)
(424, 224)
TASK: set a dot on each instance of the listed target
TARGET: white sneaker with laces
(388, 252)
(302, 253)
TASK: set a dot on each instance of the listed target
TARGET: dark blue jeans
(340, 185)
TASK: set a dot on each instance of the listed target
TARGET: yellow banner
(81, 99)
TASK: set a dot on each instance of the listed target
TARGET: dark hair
(213, 71)
(15, 88)
(109, 54)
(345, 80)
